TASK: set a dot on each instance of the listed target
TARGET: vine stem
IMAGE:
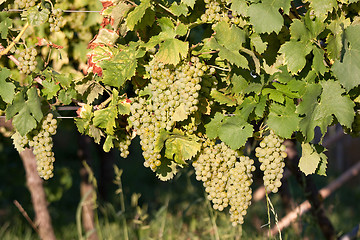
(4, 52)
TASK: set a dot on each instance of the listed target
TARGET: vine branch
(4, 52)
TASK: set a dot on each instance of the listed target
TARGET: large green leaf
(283, 120)
(120, 68)
(234, 131)
(311, 159)
(295, 53)
(171, 51)
(334, 102)
(5, 25)
(212, 128)
(27, 113)
(265, 17)
(347, 71)
(181, 148)
(7, 89)
(137, 14)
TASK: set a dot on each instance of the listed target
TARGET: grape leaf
(180, 113)
(246, 108)
(36, 16)
(318, 61)
(258, 43)
(179, 9)
(167, 170)
(120, 68)
(310, 159)
(124, 107)
(333, 102)
(66, 96)
(181, 148)
(171, 51)
(105, 118)
(295, 53)
(50, 89)
(308, 107)
(228, 36)
(27, 113)
(7, 89)
(239, 7)
(283, 120)
(83, 123)
(94, 91)
(265, 17)
(347, 71)
(5, 25)
(334, 41)
(108, 144)
(189, 3)
(212, 128)
(137, 14)
(234, 131)
(222, 98)
(322, 7)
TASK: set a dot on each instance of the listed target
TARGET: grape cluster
(271, 154)
(56, 20)
(20, 142)
(25, 3)
(216, 11)
(173, 97)
(42, 147)
(226, 180)
(27, 62)
(124, 144)
(212, 11)
(239, 189)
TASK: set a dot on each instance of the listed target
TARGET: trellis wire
(66, 11)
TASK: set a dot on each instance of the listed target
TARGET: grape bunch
(56, 20)
(226, 180)
(271, 154)
(239, 190)
(173, 97)
(27, 62)
(20, 142)
(124, 144)
(25, 3)
(42, 147)
(212, 12)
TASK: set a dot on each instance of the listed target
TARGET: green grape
(42, 147)
(56, 20)
(271, 154)
(27, 62)
(226, 180)
(174, 92)
(24, 3)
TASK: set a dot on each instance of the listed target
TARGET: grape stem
(4, 52)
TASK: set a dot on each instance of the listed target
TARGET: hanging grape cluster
(124, 144)
(226, 180)
(25, 3)
(216, 11)
(56, 20)
(271, 154)
(42, 144)
(27, 62)
(173, 97)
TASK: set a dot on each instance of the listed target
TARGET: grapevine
(271, 154)
(193, 80)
